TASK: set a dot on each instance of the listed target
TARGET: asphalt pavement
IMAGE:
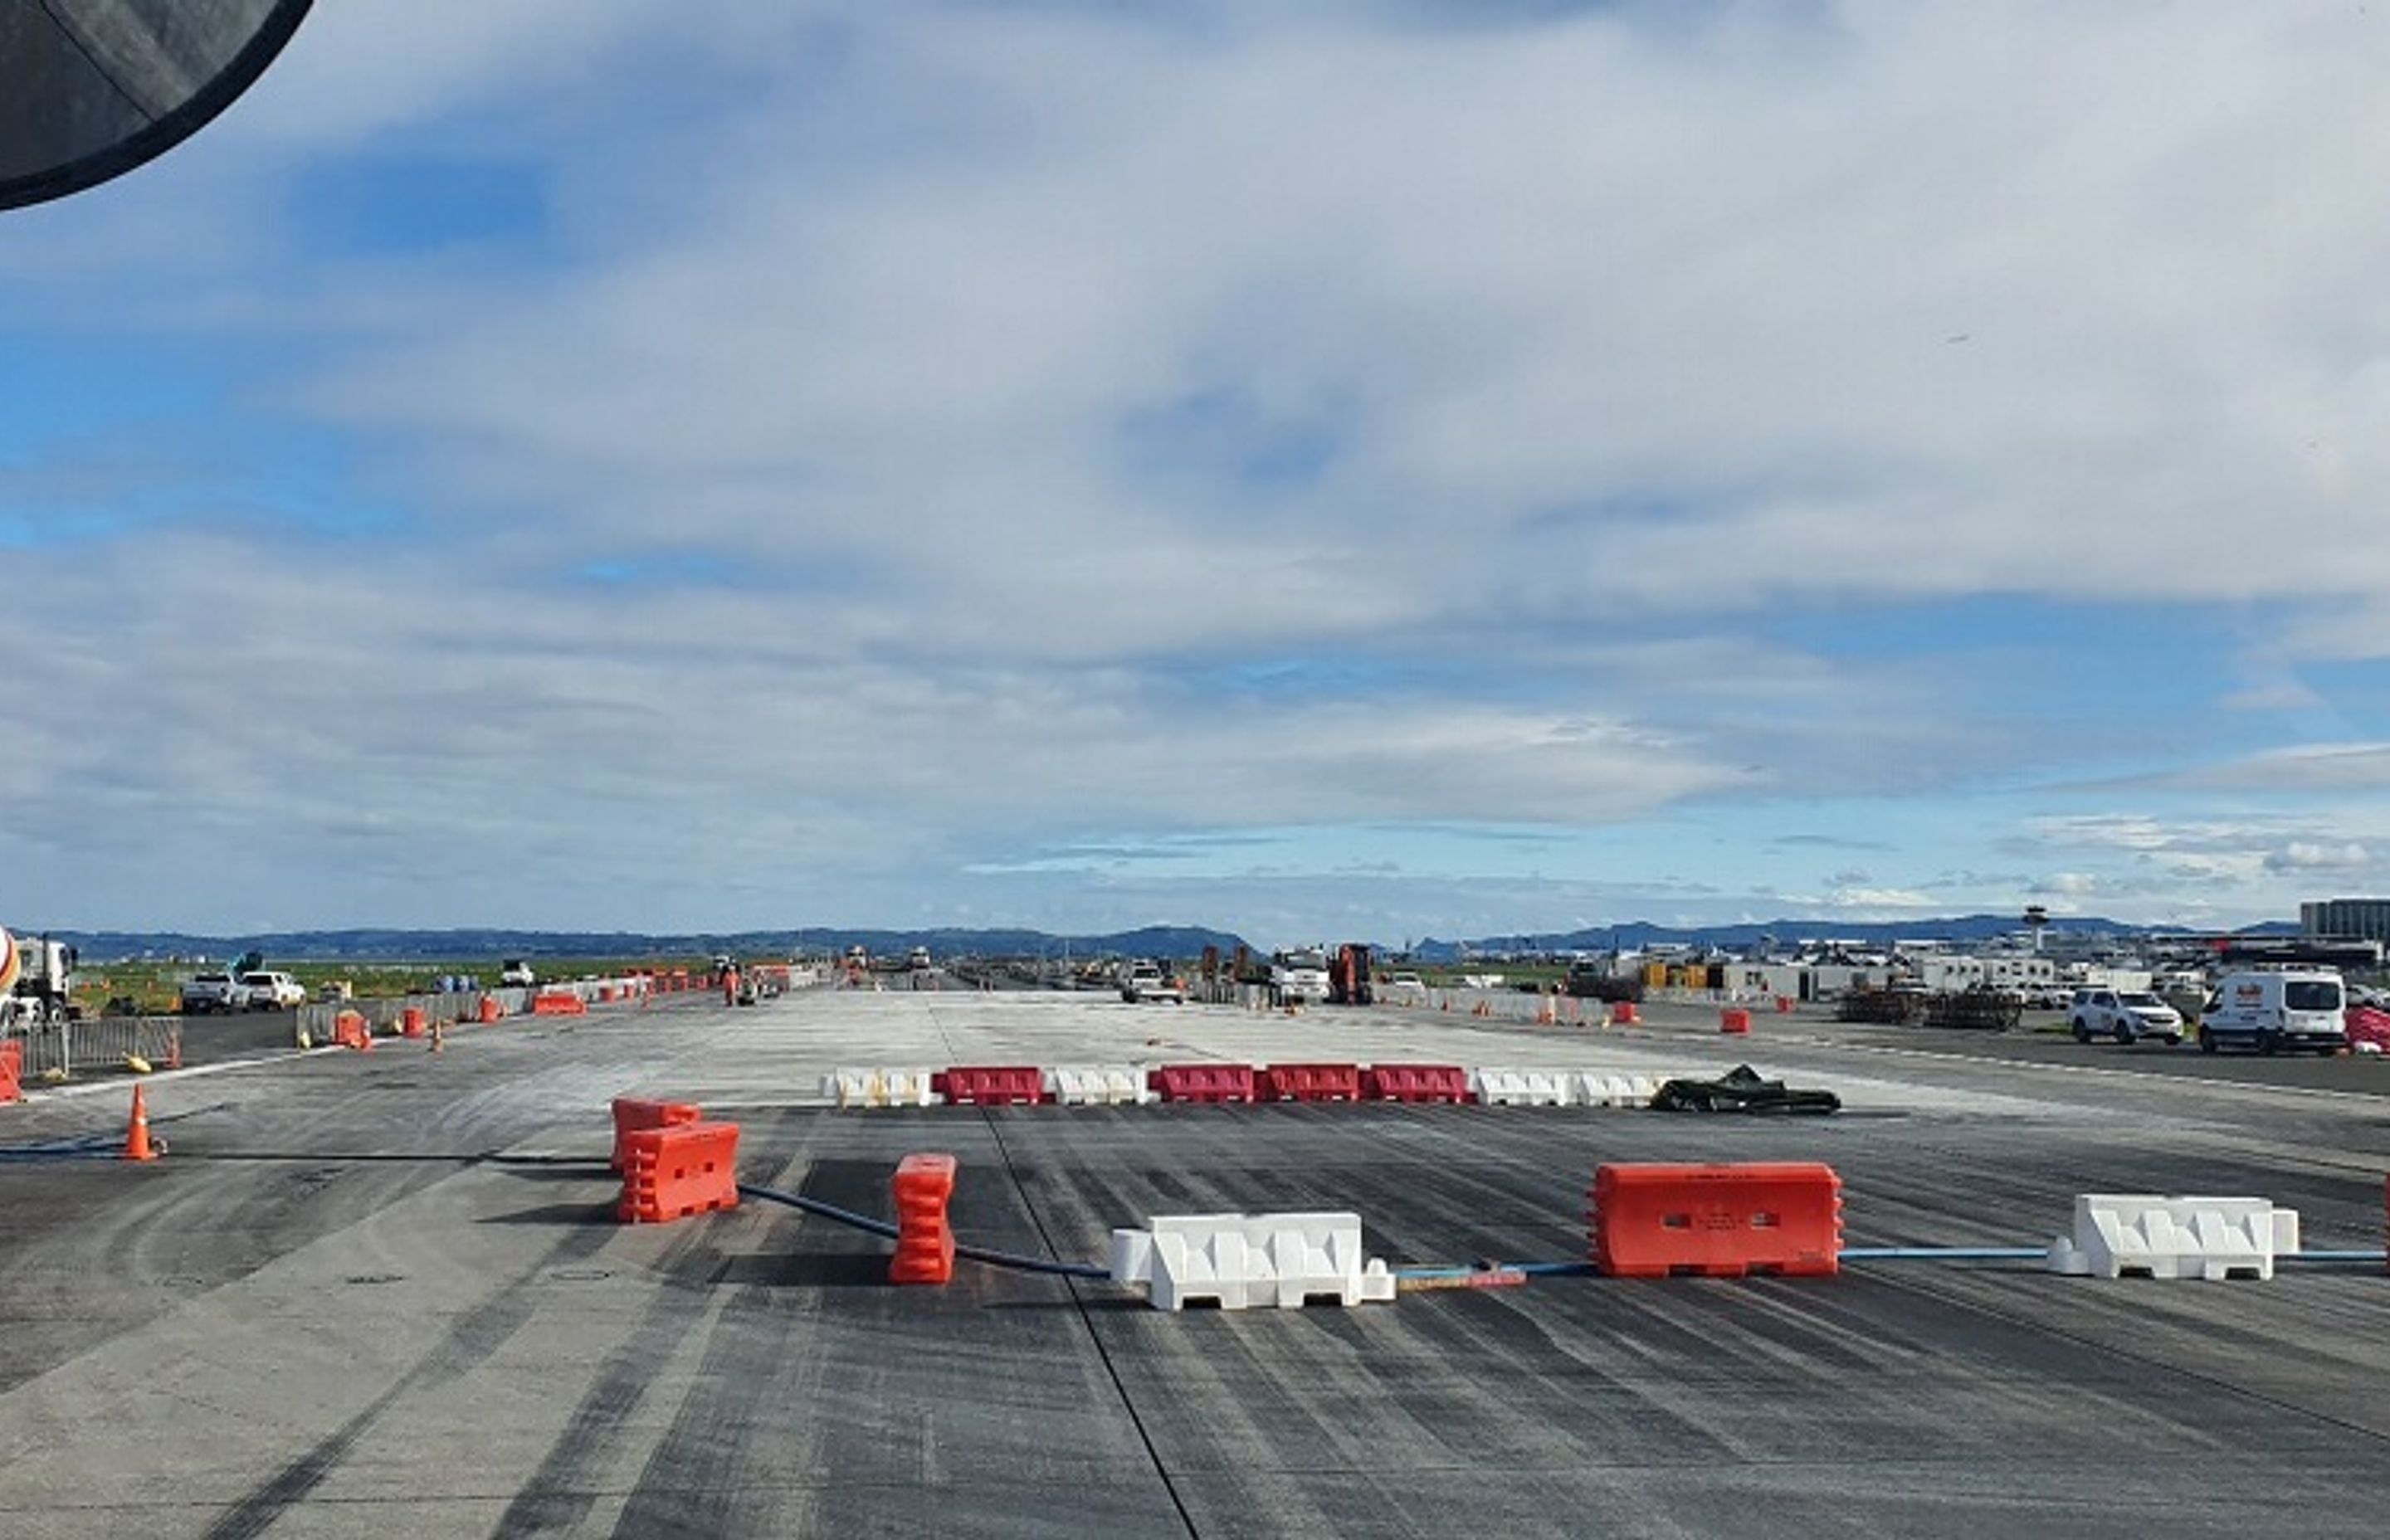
(384, 1293)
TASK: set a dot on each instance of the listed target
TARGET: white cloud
(952, 397)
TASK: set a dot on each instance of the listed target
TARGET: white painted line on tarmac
(2258, 1086)
(64, 1093)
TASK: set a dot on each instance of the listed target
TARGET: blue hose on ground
(1944, 1253)
(881, 1228)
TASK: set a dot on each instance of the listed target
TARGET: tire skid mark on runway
(472, 1338)
(561, 1493)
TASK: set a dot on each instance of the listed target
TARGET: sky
(1370, 468)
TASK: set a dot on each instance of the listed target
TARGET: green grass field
(156, 988)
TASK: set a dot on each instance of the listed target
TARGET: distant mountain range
(1968, 929)
(375, 945)
(1152, 941)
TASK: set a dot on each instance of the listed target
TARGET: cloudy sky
(1365, 467)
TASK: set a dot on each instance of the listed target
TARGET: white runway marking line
(63, 1093)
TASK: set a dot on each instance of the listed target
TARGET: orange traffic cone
(438, 1035)
(137, 1138)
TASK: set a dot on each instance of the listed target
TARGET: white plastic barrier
(1523, 1087)
(1615, 1090)
(2175, 1237)
(1250, 1261)
(1098, 1086)
(879, 1087)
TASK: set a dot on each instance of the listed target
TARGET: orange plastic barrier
(1210, 1082)
(1716, 1221)
(349, 1030)
(1415, 1082)
(670, 1174)
(12, 1072)
(410, 1021)
(1625, 1014)
(631, 1115)
(1311, 1082)
(557, 1005)
(490, 1010)
(1734, 1018)
(991, 1085)
(1784, 1005)
(925, 1243)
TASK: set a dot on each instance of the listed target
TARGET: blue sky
(1375, 469)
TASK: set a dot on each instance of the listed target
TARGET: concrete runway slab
(383, 1294)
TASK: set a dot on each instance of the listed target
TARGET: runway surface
(383, 1294)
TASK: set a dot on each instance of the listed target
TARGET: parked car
(1406, 980)
(212, 990)
(270, 991)
(2276, 1009)
(1146, 982)
(2124, 1014)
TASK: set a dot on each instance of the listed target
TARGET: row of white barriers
(1126, 1085)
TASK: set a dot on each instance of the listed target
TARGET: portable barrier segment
(1784, 1005)
(557, 1005)
(925, 1243)
(490, 1010)
(879, 1087)
(632, 1114)
(2119, 1235)
(1716, 1221)
(1523, 1087)
(672, 1173)
(1211, 1083)
(350, 1030)
(1623, 1014)
(410, 1021)
(1310, 1083)
(1097, 1086)
(991, 1085)
(12, 1070)
(1415, 1082)
(1249, 1260)
(1593, 1089)
(1734, 1018)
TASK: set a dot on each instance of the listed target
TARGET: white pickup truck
(273, 991)
(212, 990)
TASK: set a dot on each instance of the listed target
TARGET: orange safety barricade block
(490, 1010)
(991, 1085)
(1784, 1005)
(350, 1030)
(1311, 1082)
(557, 1005)
(12, 1072)
(1716, 1221)
(670, 1174)
(925, 1242)
(1623, 1014)
(410, 1021)
(1734, 1018)
(1415, 1082)
(632, 1114)
(1207, 1083)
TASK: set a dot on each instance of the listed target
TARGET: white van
(2276, 1009)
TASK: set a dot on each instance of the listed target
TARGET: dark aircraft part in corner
(89, 89)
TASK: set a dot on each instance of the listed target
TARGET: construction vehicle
(1348, 975)
(1299, 977)
(36, 982)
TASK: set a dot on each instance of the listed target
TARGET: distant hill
(1966, 928)
(393, 945)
